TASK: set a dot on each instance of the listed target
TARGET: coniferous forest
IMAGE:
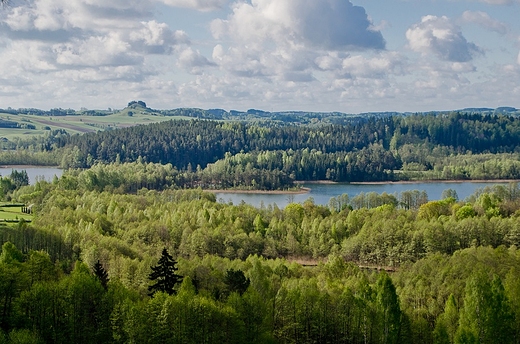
(272, 155)
(127, 247)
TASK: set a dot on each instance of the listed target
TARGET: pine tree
(164, 275)
(101, 274)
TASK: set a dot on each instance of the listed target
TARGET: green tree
(388, 305)
(486, 315)
(164, 275)
(447, 323)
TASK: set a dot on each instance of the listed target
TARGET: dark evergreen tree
(236, 281)
(164, 275)
(101, 274)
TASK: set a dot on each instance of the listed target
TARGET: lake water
(322, 193)
(33, 172)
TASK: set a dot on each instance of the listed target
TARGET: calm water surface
(34, 172)
(322, 193)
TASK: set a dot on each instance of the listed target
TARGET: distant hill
(30, 122)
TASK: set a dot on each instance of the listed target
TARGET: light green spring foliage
(438, 256)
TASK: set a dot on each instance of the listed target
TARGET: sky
(274, 55)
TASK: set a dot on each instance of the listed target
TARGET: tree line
(200, 142)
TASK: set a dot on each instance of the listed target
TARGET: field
(77, 124)
(12, 213)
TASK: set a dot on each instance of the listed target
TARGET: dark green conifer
(164, 275)
(236, 281)
(101, 274)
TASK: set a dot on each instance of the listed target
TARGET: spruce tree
(101, 274)
(164, 275)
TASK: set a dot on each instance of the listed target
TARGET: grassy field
(78, 124)
(9, 213)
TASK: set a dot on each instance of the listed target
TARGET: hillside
(27, 123)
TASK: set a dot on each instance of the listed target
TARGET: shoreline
(259, 192)
(305, 190)
(29, 166)
(439, 181)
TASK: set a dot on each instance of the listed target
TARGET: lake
(322, 193)
(34, 172)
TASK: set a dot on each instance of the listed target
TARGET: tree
(486, 315)
(19, 178)
(164, 275)
(447, 323)
(388, 304)
(236, 281)
(101, 274)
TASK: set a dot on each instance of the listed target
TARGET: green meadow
(10, 212)
(77, 124)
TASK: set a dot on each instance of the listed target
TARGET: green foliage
(303, 274)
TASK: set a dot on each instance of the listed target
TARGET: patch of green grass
(13, 213)
(80, 123)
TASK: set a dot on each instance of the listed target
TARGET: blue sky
(275, 55)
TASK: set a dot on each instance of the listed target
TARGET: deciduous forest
(127, 247)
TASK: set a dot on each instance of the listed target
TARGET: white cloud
(293, 43)
(157, 38)
(327, 25)
(200, 5)
(374, 67)
(483, 19)
(87, 33)
(96, 51)
(192, 61)
(440, 36)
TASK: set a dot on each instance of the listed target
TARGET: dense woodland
(81, 270)
(270, 155)
(90, 266)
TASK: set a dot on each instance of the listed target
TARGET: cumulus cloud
(295, 42)
(157, 38)
(95, 51)
(89, 33)
(328, 25)
(241, 62)
(374, 67)
(441, 37)
(200, 5)
(483, 19)
(192, 61)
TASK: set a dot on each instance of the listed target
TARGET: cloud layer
(271, 54)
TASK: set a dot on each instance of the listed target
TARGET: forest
(272, 156)
(374, 268)
(128, 246)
